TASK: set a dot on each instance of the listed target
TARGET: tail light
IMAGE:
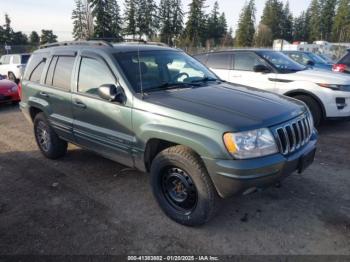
(339, 68)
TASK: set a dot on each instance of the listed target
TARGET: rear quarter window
(35, 67)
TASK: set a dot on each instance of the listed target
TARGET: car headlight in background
(345, 88)
(14, 89)
(251, 144)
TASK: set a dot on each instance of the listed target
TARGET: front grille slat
(294, 135)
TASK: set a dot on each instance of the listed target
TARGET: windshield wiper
(168, 86)
(205, 79)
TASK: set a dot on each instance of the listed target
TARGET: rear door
(243, 71)
(101, 125)
(56, 90)
(220, 64)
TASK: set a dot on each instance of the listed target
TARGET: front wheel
(314, 107)
(48, 141)
(182, 186)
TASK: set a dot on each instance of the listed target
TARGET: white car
(327, 94)
(12, 66)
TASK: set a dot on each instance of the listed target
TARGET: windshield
(281, 62)
(162, 70)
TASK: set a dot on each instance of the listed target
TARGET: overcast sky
(28, 15)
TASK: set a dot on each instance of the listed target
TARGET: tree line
(145, 19)
(9, 37)
(327, 20)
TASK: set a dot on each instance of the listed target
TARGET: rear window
(345, 59)
(5, 59)
(63, 72)
(219, 61)
(35, 67)
(24, 59)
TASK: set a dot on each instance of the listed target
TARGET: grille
(294, 135)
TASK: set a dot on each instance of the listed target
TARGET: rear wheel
(48, 141)
(314, 107)
(182, 186)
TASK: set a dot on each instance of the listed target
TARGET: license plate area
(306, 160)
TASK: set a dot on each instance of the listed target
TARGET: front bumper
(9, 97)
(234, 177)
(337, 104)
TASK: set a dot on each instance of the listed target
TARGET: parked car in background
(13, 65)
(326, 58)
(343, 64)
(160, 111)
(309, 59)
(326, 94)
(8, 91)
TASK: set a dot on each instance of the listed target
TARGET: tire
(50, 145)
(314, 107)
(201, 198)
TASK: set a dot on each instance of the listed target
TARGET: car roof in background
(238, 50)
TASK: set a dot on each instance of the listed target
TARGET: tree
(314, 13)
(145, 18)
(103, 27)
(327, 16)
(246, 26)
(272, 18)
(263, 36)
(34, 38)
(195, 29)
(213, 25)
(79, 23)
(7, 30)
(116, 20)
(301, 27)
(130, 17)
(341, 25)
(170, 20)
(287, 23)
(47, 36)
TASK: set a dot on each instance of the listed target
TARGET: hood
(236, 107)
(318, 76)
(6, 84)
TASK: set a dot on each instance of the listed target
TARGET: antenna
(138, 58)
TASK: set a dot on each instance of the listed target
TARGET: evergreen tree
(47, 36)
(314, 13)
(287, 23)
(301, 27)
(246, 26)
(130, 17)
(103, 27)
(7, 31)
(79, 23)
(272, 18)
(145, 18)
(327, 16)
(341, 25)
(170, 20)
(34, 38)
(213, 25)
(116, 20)
(195, 29)
(177, 18)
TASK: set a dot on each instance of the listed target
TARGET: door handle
(44, 94)
(79, 104)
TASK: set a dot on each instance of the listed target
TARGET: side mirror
(310, 63)
(111, 93)
(261, 69)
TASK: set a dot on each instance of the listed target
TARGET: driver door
(243, 72)
(100, 125)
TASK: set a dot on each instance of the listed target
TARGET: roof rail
(68, 43)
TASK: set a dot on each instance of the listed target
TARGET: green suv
(162, 112)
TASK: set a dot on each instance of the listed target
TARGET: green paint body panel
(197, 118)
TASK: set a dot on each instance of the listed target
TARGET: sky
(29, 15)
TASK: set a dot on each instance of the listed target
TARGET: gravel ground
(85, 204)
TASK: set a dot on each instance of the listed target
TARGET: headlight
(336, 87)
(251, 144)
(14, 89)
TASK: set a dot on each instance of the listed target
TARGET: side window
(35, 67)
(16, 59)
(246, 61)
(93, 74)
(6, 59)
(63, 72)
(219, 61)
(50, 71)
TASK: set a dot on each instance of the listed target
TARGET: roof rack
(86, 43)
